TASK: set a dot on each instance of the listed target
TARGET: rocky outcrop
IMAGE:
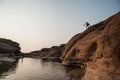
(54, 51)
(8, 48)
(8, 51)
(97, 50)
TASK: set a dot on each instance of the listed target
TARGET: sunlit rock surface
(97, 50)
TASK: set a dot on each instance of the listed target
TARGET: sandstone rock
(54, 51)
(97, 49)
(8, 48)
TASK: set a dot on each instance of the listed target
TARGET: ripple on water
(35, 69)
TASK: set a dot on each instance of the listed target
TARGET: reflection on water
(7, 67)
(33, 69)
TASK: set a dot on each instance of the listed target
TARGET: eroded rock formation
(97, 50)
(8, 48)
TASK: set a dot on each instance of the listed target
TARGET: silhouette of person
(87, 25)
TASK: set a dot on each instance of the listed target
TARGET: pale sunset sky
(36, 24)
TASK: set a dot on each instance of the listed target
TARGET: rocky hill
(97, 50)
(8, 48)
(54, 51)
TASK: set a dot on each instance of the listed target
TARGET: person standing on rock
(87, 25)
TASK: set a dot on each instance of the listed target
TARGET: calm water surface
(35, 69)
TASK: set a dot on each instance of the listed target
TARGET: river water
(33, 69)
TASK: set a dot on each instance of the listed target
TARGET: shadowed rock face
(97, 50)
(8, 48)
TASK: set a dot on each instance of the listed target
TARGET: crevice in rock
(73, 53)
(92, 49)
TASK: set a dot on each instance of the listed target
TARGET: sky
(36, 24)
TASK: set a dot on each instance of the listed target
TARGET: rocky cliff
(8, 48)
(97, 50)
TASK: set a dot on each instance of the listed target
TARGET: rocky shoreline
(97, 49)
(92, 55)
(9, 50)
(47, 54)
